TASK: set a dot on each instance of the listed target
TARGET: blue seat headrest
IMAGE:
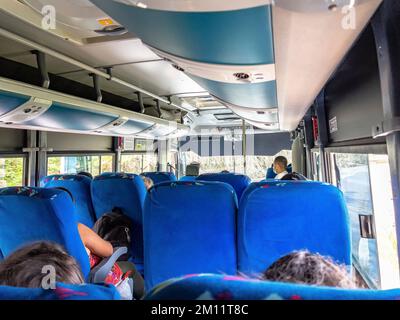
(79, 186)
(127, 192)
(159, 177)
(61, 292)
(189, 227)
(188, 178)
(239, 182)
(219, 287)
(270, 173)
(35, 214)
(278, 217)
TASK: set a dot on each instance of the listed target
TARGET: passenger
(87, 174)
(24, 267)
(147, 182)
(294, 176)
(225, 171)
(98, 248)
(280, 164)
(303, 267)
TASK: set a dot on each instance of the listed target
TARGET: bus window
(256, 166)
(11, 172)
(385, 225)
(138, 163)
(95, 164)
(362, 178)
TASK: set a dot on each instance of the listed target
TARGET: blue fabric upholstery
(270, 173)
(34, 214)
(276, 218)
(158, 177)
(239, 182)
(127, 192)
(289, 168)
(61, 292)
(79, 186)
(189, 227)
(217, 287)
(188, 178)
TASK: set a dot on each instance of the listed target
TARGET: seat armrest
(99, 273)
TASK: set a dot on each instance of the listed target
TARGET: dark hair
(282, 161)
(293, 176)
(67, 191)
(304, 267)
(84, 173)
(24, 267)
(225, 171)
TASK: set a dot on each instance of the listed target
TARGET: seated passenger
(303, 267)
(293, 176)
(147, 182)
(225, 171)
(24, 268)
(97, 249)
(280, 164)
(87, 174)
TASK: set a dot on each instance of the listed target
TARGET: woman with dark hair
(303, 267)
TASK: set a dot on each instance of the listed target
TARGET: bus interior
(201, 96)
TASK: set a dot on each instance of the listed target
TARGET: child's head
(280, 164)
(26, 267)
(303, 267)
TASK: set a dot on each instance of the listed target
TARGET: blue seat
(189, 227)
(270, 173)
(239, 182)
(34, 214)
(217, 287)
(276, 218)
(79, 186)
(61, 292)
(188, 178)
(289, 168)
(159, 177)
(127, 192)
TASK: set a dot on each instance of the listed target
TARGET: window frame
(377, 149)
(80, 154)
(142, 153)
(25, 164)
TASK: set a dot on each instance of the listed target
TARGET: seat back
(278, 217)
(127, 192)
(34, 214)
(239, 182)
(270, 173)
(188, 178)
(79, 186)
(159, 177)
(189, 227)
(61, 292)
(218, 287)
